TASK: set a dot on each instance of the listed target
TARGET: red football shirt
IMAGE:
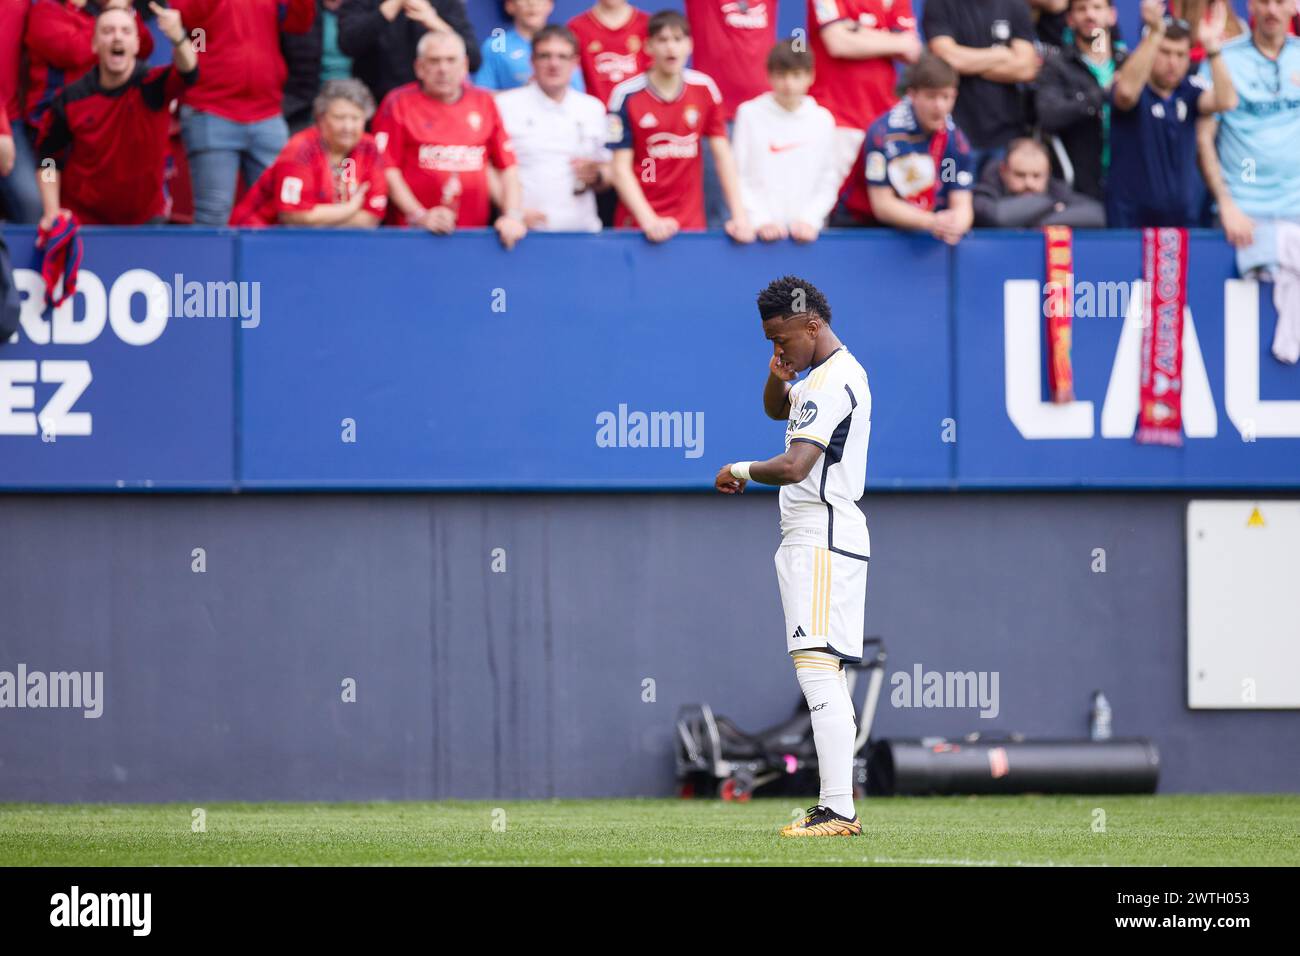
(732, 40)
(112, 144)
(443, 149)
(666, 137)
(302, 178)
(610, 56)
(856, 92)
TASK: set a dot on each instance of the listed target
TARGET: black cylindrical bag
(898, 767)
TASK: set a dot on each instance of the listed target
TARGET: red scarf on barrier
(1164, 272)
(1060, 311)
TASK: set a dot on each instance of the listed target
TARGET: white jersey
(831, 408)
(547, 134)
(786, 161)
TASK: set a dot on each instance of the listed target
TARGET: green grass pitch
(1178, 830)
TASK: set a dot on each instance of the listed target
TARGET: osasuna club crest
(692, 116)
(475, 119)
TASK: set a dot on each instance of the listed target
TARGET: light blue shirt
(507, 63)
(1259, 141)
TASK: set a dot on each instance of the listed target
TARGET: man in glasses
(559, 139)
(1252, 166)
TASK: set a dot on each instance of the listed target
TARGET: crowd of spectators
(362, 113)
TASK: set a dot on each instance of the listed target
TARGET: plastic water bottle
(1100, 716)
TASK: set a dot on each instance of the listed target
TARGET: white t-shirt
(786, 161)
(547, 134)
(831, 408)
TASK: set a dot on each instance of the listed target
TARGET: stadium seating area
(319, 113)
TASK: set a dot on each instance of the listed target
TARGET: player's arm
(7, 154)
(820, 412)
(789, 468)
(776, 393)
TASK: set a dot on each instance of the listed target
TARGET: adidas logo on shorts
(798, 633)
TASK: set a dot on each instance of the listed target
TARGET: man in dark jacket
(381, 36)
(1071, 100)
(1019, 193)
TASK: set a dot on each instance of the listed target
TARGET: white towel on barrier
(1286, 293)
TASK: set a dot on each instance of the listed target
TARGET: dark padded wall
(529, 683)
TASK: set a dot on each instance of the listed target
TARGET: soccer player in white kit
(821, 565)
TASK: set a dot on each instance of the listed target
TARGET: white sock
(826, 690)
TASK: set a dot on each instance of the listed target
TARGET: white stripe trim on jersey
(703, 79)
(624, 90)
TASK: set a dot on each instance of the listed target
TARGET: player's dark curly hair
(789, 296)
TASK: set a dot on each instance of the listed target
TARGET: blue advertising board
(1241, 407)
(300, 359)
(420, 363)
(121, 386)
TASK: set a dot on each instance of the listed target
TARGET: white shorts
(824, 595)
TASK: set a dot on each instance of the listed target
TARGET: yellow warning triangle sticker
(1256, 519)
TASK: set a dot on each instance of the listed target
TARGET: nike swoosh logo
(781, 149)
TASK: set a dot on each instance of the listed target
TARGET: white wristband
(741, 470)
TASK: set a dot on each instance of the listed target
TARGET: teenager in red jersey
(438, 136)
(330, 174)
(658, 121)
(107, 132)
(611, 45)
